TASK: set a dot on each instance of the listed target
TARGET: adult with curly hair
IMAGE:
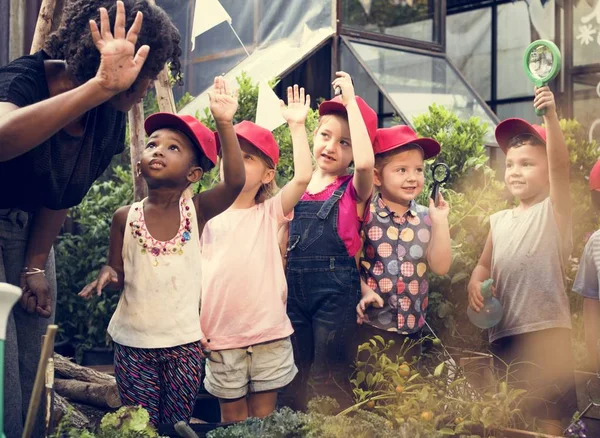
(62, 119)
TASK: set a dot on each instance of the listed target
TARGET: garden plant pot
(97, 356)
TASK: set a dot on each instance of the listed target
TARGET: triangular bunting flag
(207, 14)
(268, 110)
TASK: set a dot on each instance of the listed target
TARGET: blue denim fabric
(323, 291)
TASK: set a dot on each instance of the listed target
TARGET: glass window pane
(404, 18)
(586, 103)
(469, 47)
(364, 85)
(522, 110)
(414, 82)
(586, 33)
(514, 35)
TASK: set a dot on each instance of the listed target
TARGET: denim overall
(323, 291)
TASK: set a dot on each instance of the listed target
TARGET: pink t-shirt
(244, 290)
(349, 222)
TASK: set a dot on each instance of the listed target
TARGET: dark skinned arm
(111, 275)
(36, 290)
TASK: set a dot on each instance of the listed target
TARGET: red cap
(200, 135)
(259, 137)
(388, 139)
(369, 116)
(510, 128)
(595, 177)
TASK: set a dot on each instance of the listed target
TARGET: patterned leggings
(164, 381)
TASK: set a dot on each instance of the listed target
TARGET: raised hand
(544, 98)
(344, 82)
(440, 211)
(119, 64)
(223, 104)
(297, 107)
(105, 276)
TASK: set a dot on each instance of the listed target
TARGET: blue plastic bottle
(491, 312)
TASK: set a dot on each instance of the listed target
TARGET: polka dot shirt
(394, 265)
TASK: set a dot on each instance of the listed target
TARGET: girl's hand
(36, 296)
(297, 106)
(105, 276)
(438, 213)
(223, 104)
(544, 98)
(344, 82)
(119, 64)
(369, 298)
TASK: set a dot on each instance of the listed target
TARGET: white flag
(268, 110)
(207, 14)
(366, 4)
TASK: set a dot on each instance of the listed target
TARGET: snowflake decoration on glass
(586, 34)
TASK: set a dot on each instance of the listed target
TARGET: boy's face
(257, 171)
(526, 174)
(168, 156)
(332, 145)
(402, 178)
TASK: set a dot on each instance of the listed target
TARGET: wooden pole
(43, 25)
(164, 92)
(38, 386)
(136, 147)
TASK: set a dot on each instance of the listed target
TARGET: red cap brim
(510, 128)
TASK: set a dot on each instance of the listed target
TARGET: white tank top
(161, 296)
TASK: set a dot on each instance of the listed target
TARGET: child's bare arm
(482, 272)
(362, 149)
(295, 114)
(558, 157)
(216, 200)
(112, 274)
(439, 250)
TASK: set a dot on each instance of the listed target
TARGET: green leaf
(438, 370)
(459, 277)
(360, 377)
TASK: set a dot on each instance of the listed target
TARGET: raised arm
(223, 106)
(295, 114)
(22, 129)
(362, 149)
(439, 250)
(558, 158)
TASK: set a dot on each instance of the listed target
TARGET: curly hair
(72, 41)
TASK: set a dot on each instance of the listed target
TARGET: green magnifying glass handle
(540, 112)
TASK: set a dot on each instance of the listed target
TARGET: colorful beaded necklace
(156, 248)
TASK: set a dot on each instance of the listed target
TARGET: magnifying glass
(441, 174)
(542, 62)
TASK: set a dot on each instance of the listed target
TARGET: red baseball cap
(595, 177)
(388, 139)
(200, 135)
(369, 116)
(259, 137)
(510, 128)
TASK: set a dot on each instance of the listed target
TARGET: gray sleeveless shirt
(528, 264)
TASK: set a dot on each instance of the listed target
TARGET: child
(323, 280)
(525, 254)
(154, 255)
(244, 291)
(586, 282)
(403, 241)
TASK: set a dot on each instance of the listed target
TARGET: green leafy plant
(127, 422)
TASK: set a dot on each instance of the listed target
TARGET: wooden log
(62, 407)
(137, 138)
(43, 25)
(66, 368)
(104, 395)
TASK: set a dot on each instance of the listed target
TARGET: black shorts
(540, 362)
